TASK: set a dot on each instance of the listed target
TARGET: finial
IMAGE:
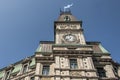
(68, 7)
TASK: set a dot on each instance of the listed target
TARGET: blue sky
(23, 23)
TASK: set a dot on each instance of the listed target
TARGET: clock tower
(68, 57)
(68, 30)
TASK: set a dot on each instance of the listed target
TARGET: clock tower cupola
(68, 30)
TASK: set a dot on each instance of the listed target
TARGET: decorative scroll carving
(68, 27)
(75, 73)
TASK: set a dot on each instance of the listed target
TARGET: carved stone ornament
(75, 73)
(70, 38)
(67, 27)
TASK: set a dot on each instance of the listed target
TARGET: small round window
(66, 18)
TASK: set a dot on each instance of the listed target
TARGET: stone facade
(68, 57)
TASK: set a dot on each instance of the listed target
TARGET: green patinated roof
(103, 49)
(38, 49)
(33, 62)
(17, 68)
(44, 47)
(1, 74)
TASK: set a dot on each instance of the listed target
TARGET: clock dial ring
(70, 38)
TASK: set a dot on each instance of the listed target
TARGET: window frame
(45, 70)
(7, 76)
(32, 77)
(23, 67)
(101, 72)
(73, 64)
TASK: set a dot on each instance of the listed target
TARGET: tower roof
(66, 16)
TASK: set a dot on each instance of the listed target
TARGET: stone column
(52, 69)
(78, 61)
(66, 62)
(109, 71)
(82, 39)
(81, 63)
(91, 62)
(57, 62)
(57, 65)
(119, 71)
(37, 72)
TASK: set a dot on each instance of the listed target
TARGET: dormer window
(7, 75)
(25, 68)
(115, 70)
(67, 18)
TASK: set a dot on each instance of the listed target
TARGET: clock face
(70, 38)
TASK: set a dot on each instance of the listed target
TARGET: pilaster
(57, 62)
(37, 72)
(109, 71)
(90, 62)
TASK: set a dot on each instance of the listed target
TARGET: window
(73, 63)
(66, 18)
(101, 72)
(115, 70)
(7, 75)
(45, 70)
(32, 78)
(24, 68)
